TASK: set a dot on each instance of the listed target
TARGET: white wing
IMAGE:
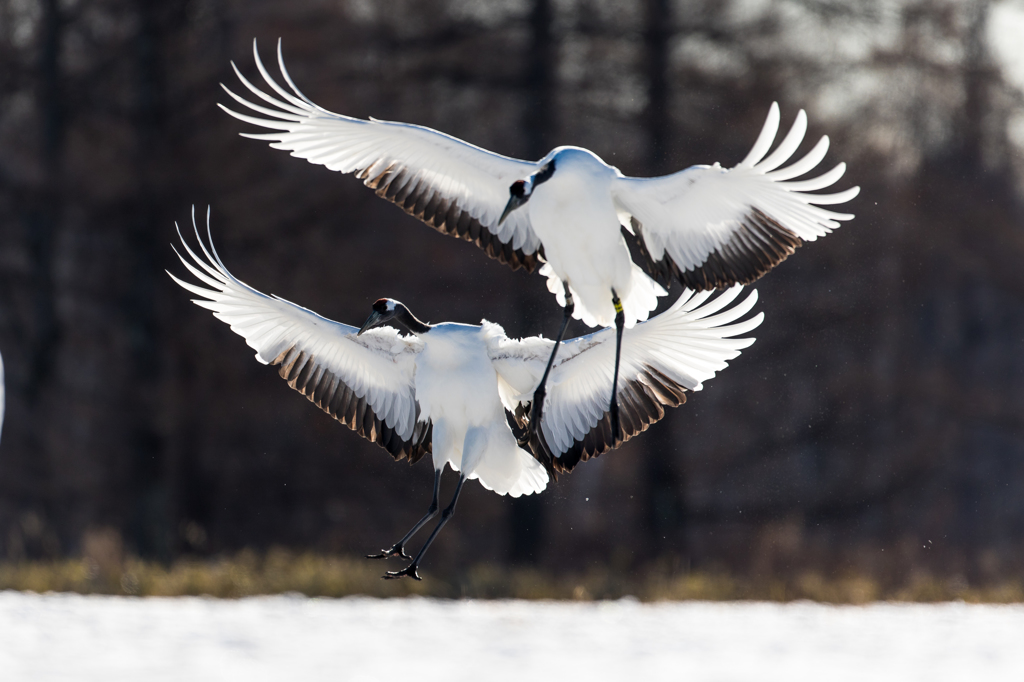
(661, 359)
(366, 381)
(712, 228)
(451, 185)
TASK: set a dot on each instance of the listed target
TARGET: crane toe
(398, 550)
(408, 571)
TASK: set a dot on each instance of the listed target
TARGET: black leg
(399, 547)
(410, 570)
(537, 406)
(613, 409)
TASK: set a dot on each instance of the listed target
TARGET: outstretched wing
(455, 187)
(365, 382)
(711, 228)
(661, 360)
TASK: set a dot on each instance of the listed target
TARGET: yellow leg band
(618, 306)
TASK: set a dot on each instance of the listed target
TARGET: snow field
(73, 637)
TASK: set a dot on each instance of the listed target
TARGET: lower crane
(448, 389)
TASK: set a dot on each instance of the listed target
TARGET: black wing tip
(760, 244)
(332, 395)
(642, 402)
(420, 200)
(530, 440)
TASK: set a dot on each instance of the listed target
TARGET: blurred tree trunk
(150, 522)
(40, 208)
(43, 208)
(657, 115)
(527, 518)
(977, 77)
(665, 479)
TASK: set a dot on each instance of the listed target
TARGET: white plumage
(444, 389)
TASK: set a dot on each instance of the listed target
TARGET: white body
(575, 219)
(457, 389)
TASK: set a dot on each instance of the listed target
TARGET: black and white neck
(387, 309)
(405, 318)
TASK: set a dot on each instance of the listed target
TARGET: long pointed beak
(514, 202)
(370, 323)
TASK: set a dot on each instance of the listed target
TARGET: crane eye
(518, 189)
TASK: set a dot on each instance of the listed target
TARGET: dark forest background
(877, 426)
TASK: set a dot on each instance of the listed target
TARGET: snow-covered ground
(69, 637)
